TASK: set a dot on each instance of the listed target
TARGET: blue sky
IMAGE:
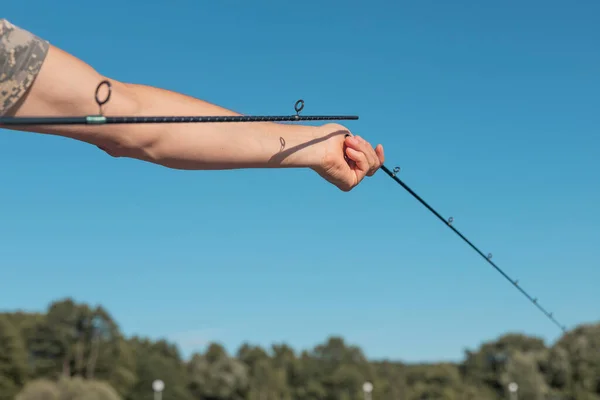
(490, 110)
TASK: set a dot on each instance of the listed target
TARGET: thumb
(360, 159)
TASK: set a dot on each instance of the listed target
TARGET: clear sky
(491, 110)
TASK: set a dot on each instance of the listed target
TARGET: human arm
(63, 86)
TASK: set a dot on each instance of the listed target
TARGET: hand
(346, 159)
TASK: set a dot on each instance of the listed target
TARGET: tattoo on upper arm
(21, 57)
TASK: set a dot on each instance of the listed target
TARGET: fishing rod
(101, 119)
(448, 222)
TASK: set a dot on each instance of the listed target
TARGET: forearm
(218, 145)
(66, 86)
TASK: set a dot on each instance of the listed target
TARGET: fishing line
(100, 119)
(488, 258)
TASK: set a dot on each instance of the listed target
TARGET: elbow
(133, 144)
(128, 140)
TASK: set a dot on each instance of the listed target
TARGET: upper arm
(37, 78)
(22, 55)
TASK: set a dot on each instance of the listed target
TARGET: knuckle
(345, 187)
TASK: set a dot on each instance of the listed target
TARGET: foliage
(76, 351)
(13, 359)
(68, 389)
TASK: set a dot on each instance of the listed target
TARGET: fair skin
(66, 85)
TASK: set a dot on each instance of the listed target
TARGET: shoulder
(21, 57)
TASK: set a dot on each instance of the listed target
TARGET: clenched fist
(345, 159)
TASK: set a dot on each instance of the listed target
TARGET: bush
(68, 389)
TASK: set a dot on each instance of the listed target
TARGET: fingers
(361, 161)
(380, 154)
(374, 157)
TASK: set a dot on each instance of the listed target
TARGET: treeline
(75, 351)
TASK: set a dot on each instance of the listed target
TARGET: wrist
(300, 147)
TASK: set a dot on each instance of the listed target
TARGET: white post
(367, 389)
(158, 386)
(513, 388)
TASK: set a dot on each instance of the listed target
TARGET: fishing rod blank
(488, 258)
(102, 120)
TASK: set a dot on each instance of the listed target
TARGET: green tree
(342, 369)
(391, 381)
(523, 368)
(216, 376)
(13, 360)
(158, 360)
(76, 351)
(579, 354)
